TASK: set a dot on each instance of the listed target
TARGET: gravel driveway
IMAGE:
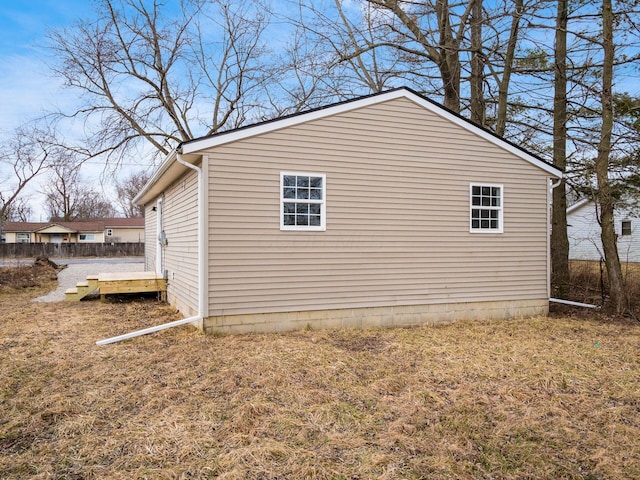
(78, 272)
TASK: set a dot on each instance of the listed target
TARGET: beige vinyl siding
(124, 235)
(397, 221)
(180, 224)
(150, 237)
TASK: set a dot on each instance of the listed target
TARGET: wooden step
(71, 295)
(82, 289)
(122, 282)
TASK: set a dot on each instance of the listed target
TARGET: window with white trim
(109, 232)
(485, 208)
(87, 237)
(302, 201)
(23, 238)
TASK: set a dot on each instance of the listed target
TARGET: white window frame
(22, 237)
(322, 202)
(92, 239)
(109, 232)
(499, 209)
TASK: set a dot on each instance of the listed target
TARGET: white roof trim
(164, 166)
(194, 146)
(578, 205)
(197, 146)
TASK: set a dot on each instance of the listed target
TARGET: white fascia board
(270, 126)
(60, 229)
(166, 163)
(197, 146)
(295, 119)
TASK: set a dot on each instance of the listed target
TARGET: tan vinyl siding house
(97, 230)
(180, 222)
(393, 241)
(150, 239)
(124, 230)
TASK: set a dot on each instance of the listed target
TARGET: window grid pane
(302, 200)
(486, 207)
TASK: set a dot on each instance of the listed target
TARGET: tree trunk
(559, 238)
(605, 199)
(477, 65)
(503, 84)
(449, 64)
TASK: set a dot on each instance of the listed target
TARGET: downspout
(550, 226)
(559, 300)
(201, 269)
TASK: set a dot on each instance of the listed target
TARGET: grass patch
(537, 398)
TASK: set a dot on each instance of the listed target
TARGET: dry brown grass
(589, 280)
(538, 398)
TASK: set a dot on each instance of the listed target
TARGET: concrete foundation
(393, 316)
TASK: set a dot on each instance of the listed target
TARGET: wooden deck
(120, 282)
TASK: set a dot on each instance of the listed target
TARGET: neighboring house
(100, 230)
(583, 230)
(124, 230)
(385, 210)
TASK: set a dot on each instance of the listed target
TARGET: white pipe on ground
(575, 304)
(145, 331)
(201, 269)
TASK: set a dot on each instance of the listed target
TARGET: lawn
(535, 398)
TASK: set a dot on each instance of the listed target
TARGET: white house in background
(583, 230)
(385, 210)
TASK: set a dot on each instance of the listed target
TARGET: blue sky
(26, 86)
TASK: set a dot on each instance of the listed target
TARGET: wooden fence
(30, 250)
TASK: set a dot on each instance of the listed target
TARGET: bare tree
(19, 211)
(23, 157)
(67, 198)
(465, 51)
(440, 44)
(476, 80)
(127, 189)
(604, 195)
(559, 238)
(93, 204)
(504, 81)
(146, 74)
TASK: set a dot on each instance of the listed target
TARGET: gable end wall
(397, 232)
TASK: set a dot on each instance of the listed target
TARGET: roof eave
(170, 170)
(578, 205)
(197, 145)
(142, 197)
